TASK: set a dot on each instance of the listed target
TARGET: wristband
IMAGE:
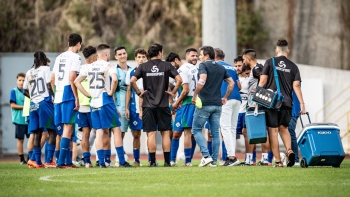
(138, 94)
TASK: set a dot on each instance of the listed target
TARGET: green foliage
(18, 180)
(250, 32)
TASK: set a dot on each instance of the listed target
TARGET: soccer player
(278, 121)
(184, 107)
(65, 70)
(132, 106)
(103, 82)
(83, 115)
(38, 88)
(249, 59)
(208, 87)
(156, 112)
(122, 67)
(229, 113)
(16, 103)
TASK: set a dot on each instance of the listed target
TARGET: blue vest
(17, 117)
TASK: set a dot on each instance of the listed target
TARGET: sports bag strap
(276, 78)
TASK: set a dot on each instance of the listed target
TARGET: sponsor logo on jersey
(282, 64)
(324, 132)
(154, 69)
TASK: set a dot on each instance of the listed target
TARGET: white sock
(248, 158)
(264, 157)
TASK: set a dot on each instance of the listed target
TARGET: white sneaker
(117, 164)
(222, 163)
(187, 165)
(297, 164)
(109, 165)
(205, 161)
(172, 164)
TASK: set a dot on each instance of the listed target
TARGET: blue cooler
(256, 126)
(320, 145)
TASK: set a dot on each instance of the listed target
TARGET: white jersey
(189, 75)
(139, 84)
(244, 93)
(36, 81)
(65, 63)
(99, 75)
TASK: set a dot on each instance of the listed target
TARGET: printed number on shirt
(38, 86)
(97, 77)
(61, 67)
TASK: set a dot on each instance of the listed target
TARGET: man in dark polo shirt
(156, 113)
(278, 120)
(211, 76)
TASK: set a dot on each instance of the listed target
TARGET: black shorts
(276, 118)
(21, 131)
(154, 119)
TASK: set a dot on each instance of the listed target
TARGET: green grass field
(18, 180)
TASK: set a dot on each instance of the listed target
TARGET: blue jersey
(233, 73)
(133, 103)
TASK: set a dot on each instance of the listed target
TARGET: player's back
(99, 75)
(65, 63)
(36, 82)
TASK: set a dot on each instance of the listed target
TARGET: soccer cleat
(50, 165)
(76, 163)
(172, 163)
(205, 161)
(125, 165)
(153, 165)
(136, 164)
(291, 158)
(97, 163)
(278, 165)
(167, 164)
(31, 164)
(23, 162)
(109, 165)
(222, 162)
(88, 165)
(245, 164)
(40, 166)
(103, 166)
(62, 167)
(187, 164)
(72, 166)
(231, 162)
(261, 163)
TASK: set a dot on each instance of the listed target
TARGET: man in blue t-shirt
(211, 75)
(16, 103)
(230, 110)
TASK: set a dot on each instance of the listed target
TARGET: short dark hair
(191, 49)
(282, 43)
(245, 67)
(101, 47)
(39, 59)
(219, 53)
(21, 75)
(154, 50)
(238, 59)
(117, 48)
(74, 39)
(172, 56)
(140, 51)
(208, 50)
(250, 52)
(88, 51)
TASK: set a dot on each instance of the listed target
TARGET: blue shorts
(105, 117)
(240, 123)
(84, 119)
(187, 115)
(41, 116)
(59, 129)
(177, 125)
(64, 113)
(135, 121)
(123, 121)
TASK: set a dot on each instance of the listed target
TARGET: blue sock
(64, 151)
(174, 148)
(210, 148)
(269, 156)
(50, 150)
(194, 144)
(224, 152)
(254, 156)
(57, 154)
(120, 153)
(37, 153)
(137, 155)
(30, 153)
(69, 158)
(101, 156)
(107, 156)
(45, 152)
(188, 152)
(86, 156)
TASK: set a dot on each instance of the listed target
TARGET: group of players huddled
(166, 96)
